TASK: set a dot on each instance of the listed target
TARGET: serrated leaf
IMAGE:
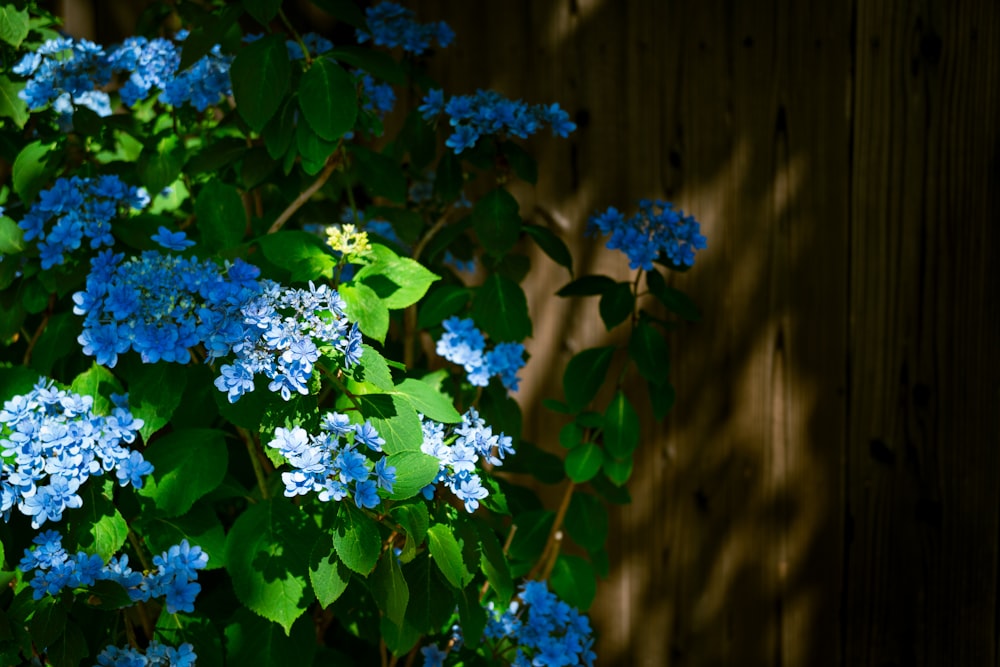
(267, 553)
(14, 25)
(414, 471)
(154, 393)
(395, 420)
(48, 622)
(574, 581)
(199, 526)
(441, 304)
(328, 99)
(160, 163)
(500, 309)
(301, 253)
(429, 607)
(471, 613)
(586, 286)
(587, 521)
(365, 307)
(97, 527)
(313, 148)
(585, 374)
(356, 539)
(648, 349)
(414, 520)
(389, 588)
(583, 462)
(374, 369)
(12, 106)
(260, 74)
(99, 383)
(280, 130)
(431, 403)
(497, 221)
(551, 245)
(621, 427)
(188, 463)
(399, 282)
(252, 640)
(329, 576)
(447, 555)
(221, 216)
(616, 304)
(494, 564)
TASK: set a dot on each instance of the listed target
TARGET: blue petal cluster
(377, 98)
(656, 229)
(65, 72)
(487, 112)
(392, 25)
(51, 442)
(330, 463)
(457, 450)
(160, 305)
(174, 579)
(74, 209)
(463, 344)
(547, 631)
(156, 655)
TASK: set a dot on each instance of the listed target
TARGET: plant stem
(331, 166)
(544, 566)
(38, 332)
(295, 34)
(258, 468)
(410, 314)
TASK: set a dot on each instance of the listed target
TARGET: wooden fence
(827, 490)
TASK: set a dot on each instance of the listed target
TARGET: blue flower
(656, 232)
(172, 240)
(392, 25)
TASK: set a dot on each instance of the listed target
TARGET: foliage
(221, 437)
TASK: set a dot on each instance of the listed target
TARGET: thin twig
(331, 166)
(551, 550)
(258, 469)
(38, 332)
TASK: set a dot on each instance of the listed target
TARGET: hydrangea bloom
(656, 229)
(392, 25)
(52, 442)
(487, 112)
(330, 463)
(463, 344)
(74, 209)
(64, 72)
(156, 655)
(174, 579)
(458, 450)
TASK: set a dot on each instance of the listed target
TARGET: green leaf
(447, 555)
(365, 307)
(448, 180)
(395, 420)
(374, 369)
(379, 174)
(414, 520)
(216, 155)
(494, 564)
(428, 401)
(414, 471)
(11, 237)
(618, 470)
(16, 380)
(207, 31)
(441, 304)
(430, 606)
(199, 526)
(301, 253)
(328, 575)
(616, 304)
(108, 595)
(574, 581)
(97, 527)
(280, 130)
(571, 435)
(221, 216)
(585, 374)
(587, 521)
(501, 310)
(583, 462)
(313, 148)
(13, 25)
(262, 10)
(377, 63)
(69, 649)
(328, 99)
(99, 383)
(621, 427)
(471, 613)
(587, 286)
(267, 553)
(551, 245)
(419, 140)
(389, 588)
(48, 621)
(257, 167)
(675, 300)
(154, 392)
(33, 167)
(648, 349)
(12, 106)
(160, 163)
(497, 221)
(523, 164)
(356, 539)
(252, 640)
(261, 74)
(399, 281)
(187, 464)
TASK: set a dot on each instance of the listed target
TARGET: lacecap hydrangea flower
(332, 463)
(392, 25)
(657, 229)
(458, 449)
(52, 442)
(463, 344)
(156, 655)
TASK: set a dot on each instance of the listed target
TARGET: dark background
(827, 490)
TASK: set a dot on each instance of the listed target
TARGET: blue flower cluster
(487, 112)
(330, 464)
(51, 442)
(160, 305)
(656, 229)
(462, 343)
(282, 332)
(547, 631)
(65, 72)
(175, 577)
(458, 450)
(392, 25)
(377, 98)
(315, 45)
(156, 655)
(74, 209)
